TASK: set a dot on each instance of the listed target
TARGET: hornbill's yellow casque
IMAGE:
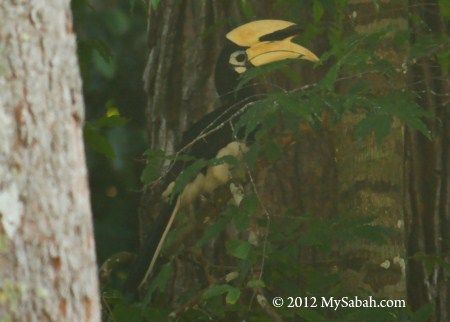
(253, 44)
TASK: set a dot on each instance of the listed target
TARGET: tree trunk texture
(47, 254)
(427, 175)
(369, 174)
(179, 75)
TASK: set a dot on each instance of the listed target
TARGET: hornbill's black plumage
(253, 44)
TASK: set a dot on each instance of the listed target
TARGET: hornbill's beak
(268, 41)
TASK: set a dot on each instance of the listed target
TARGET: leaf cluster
(95, 132)
(231, 296)
(266, 267)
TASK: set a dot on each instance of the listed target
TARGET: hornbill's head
(255, 44)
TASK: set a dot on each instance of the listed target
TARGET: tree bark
(47, 253)
(427, 174)
(369, 174)
(179, 74)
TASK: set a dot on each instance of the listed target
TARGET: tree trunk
(47, 253)
(179, 74)
(427, 174)
(369, 174)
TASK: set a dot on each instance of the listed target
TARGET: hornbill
(251, 45)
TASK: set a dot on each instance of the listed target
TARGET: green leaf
(411, 114)
(317, 10)
(251, 119)
(371, 232)
(101, 56)
(402, 37)
(272, 151)
(231, 276)
(150, 172)
(155, 4)
(424, 313)
(117, 22)
(256, 284)
(241, 220)
(185, 177)
(216, 290)
(238, 248)
(154, 154)
(294, 105)
(99, 46)
(271, 119)
(127, 312)
(348, 229)
(229, 159)
(154, 314)
(292, 123)
(444, 8)
(376, 5)
(252, 155)
(328, 81)
(250, 204)
(214, 230)
(443, 60)
(417, 124)
(233, 295)
(152, 169)
(424, 45)
(247, 9)
(97, 141)
(358, 88)
(159, 282)
(310, 315)
(292, 74)
(431, 261)
(379, 124)
(254, 73)
(247, 208)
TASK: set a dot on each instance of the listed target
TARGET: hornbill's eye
(238, 60)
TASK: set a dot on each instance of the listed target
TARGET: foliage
(223, 298)
(92, 133)
(353, 57)
(111, 43)
(259, 269)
